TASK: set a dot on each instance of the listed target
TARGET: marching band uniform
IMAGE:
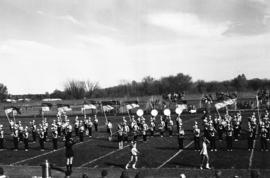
(251, 138)
(135, 132)
(125, 132)
(120, 136)
(229, 138)
(16, 138)
(109, 129)
(170, 127)
(41, 139)
(1, 137)
(81, 131)
(55, 138)
(76, 126)
(20, 131)
(220, 130)
(236, 130)
(144, 131)
(152, 128)
(34, 131)
(181, 136)
(196, 132)
(178, 122)
(161, 127)
(264, 139)
(26, 139)
(212, 137)
(96, 123)
(89, 127)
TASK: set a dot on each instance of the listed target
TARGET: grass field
(157, 153)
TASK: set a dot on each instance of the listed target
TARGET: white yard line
(101, 157)
(251, 155)
(177, 153)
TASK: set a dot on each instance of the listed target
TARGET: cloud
(187, 24)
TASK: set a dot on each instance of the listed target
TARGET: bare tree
(90, 87)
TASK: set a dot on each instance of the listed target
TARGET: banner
(89, 106)
(225, 103)
(107, 108)
(132, 106)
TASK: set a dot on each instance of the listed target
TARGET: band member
(89, 127)
(120, 136)
(251, 138)
(152, 127)
(55, 138)
(59, 126)
(1, 137)
(125, 132)
(16, 138)
(204, 154)
(69, 155)
(264, 146)
(220, 129)
(161, 126)
(196, 132)
(236, 130)
(170, 126)
(229, 137)
(41, 139)
(134, 156)
(144, 131)
(178, 122)
(34, 130)
(76, 126)
(181, 136)
(109, 129)
(81, 131)
(69, 130)
(26, 139)
(212, 137)
(96, 123)
(21, 130)
(135, 129)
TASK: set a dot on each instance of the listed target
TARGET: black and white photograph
(134, 88)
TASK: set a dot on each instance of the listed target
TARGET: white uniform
(204, 149)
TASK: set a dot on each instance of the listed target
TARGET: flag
(107, 108)
(180, 108)
(64, 108)
(12, 110)
(132, 106)
(45, 107)
(89, 106)
(225, 103)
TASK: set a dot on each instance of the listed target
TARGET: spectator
(84, 176)
(182, 176)
(2, 173)
(139, 175)
(104, 173)
(218, 174)
(254, 174)
(124, 174)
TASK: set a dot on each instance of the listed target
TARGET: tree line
(77, 89)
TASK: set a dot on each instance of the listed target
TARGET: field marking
(251, 155)
(177, 153)
(34, 157)
(101, 157)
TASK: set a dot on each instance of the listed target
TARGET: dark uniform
(26, 140)
(55, 139)
(251, 138)
(81, 131)
(229, 138)
(34, 132)
(96, 123)
(16, 139)
(1, 138)
(196, 133)
(212, 138)
(181, 136)
(264, 139)
(41, 140)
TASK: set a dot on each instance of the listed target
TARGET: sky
(43, 44)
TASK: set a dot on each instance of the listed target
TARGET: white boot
(207, 166)
(127, 166)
